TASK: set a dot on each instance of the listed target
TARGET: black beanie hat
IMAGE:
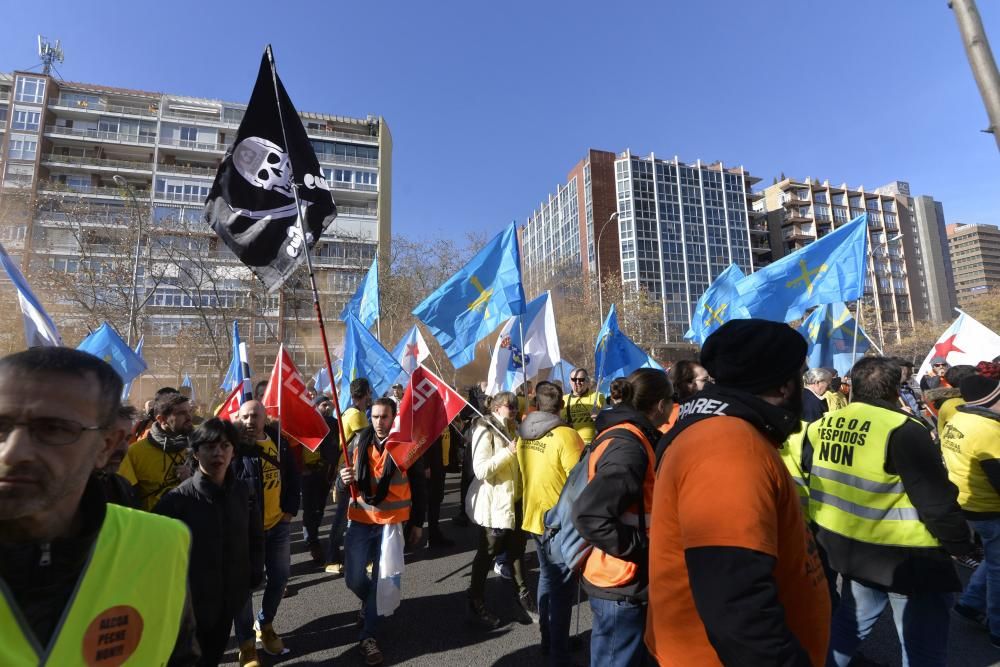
(753, 355)
(980, 391)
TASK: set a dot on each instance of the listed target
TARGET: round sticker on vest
(112, 637)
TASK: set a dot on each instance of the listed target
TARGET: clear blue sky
(490, 104)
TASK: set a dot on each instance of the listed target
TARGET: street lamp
(597, 256)
(122, 183)
(872, 254)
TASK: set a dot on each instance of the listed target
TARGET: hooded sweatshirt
(547, 449)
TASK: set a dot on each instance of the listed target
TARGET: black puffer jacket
(227, 543)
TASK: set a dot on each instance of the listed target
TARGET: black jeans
(434, 460)
(492, 542)
(315, 491)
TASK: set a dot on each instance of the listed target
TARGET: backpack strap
(606, 436)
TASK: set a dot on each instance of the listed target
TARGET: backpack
(562, 542)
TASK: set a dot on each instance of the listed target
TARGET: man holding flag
(156, 464)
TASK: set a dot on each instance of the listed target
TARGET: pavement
(431, 627)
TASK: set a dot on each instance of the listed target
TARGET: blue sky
(491, 104)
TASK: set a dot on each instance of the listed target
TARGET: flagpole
(312, 280)
(524, 366)
(854, 345)
(281, 383)
(378, 296)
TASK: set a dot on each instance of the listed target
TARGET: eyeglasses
(583, 379)
(47, 430)
(940, 365)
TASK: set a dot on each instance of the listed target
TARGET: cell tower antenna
(49, 53)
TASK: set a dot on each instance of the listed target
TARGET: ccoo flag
(615, 355)
(474, 301)
(515, 360)
(106, 344)
(829, 330)
(720, 303)
(828, 270)
(364, 357)
(39, 329)
(364, 305)
(427, 407)
(251, 205)
(287, 401)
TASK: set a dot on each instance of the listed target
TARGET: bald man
(272, 475)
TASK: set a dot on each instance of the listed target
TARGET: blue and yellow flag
(720, 303)
(364, 357)
(480, 297)
(829, 330)
(615, 355)
(828, 270)
(364, 305)
(106, 344)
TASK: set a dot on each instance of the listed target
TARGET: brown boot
(248, 654)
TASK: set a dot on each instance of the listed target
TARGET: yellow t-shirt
(947, 411)
(545, 464)
(272, 484)
(968, 439)
(580, 411)
(835, 400)
(151, 470)
(354, 421)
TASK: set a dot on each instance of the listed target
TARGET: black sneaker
(438, 540)
(527, 602)
(483, 616)
(969, 561)
(461, 520)
(369, 651)
(316, 553)
(971, 615)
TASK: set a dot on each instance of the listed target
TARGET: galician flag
(515, 359)
(966, 341)
(410, 351)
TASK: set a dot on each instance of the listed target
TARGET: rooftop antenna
(49, 53)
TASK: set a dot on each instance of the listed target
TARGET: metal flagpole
(524, 365)
(312, 280)
(281, 382)
(854, 345)
(378, 296)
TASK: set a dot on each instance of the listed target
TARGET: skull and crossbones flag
(251, 205)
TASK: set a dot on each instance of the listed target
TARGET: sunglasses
(578, 379)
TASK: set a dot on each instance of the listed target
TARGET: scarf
(363, 470)
(171, 444)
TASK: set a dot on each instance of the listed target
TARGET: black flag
(252, 204)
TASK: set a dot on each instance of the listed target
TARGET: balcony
(4, 95)
(357, 211)
(759, 229)
(95, 162)
(186, 170)
(334, 134)
(358, 187)
(87, 190)
(793, 215)
(195, 145)
(181, 197)
(179, 114)
(796, 233)
(98, 135)
(327, 158)
(149, 111)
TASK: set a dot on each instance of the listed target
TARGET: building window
(25, 120)
(366, 177)
(18, 175)
(30, 89)
(189, 134)
(343, 175)
(22, 147)
(109, 125)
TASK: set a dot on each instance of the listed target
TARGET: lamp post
(874, 253)
(597, 256)
(122, 183)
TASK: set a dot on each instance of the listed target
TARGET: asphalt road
(431, 627)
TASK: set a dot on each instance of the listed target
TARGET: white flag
(39, 329)
(966, 341)
(515, 361)
(411, 350)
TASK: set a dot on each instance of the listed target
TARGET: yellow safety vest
(791, 456)
(850, 493)
(128, 603)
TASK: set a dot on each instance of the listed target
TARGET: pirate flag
(252, 204)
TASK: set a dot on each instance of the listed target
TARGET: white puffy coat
(496, 486)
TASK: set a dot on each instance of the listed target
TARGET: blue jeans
(921, 623)
(333, 552)
(983, 591)
(277, 563)
(315, 491)
(616, 639)
(363, 545)
(555, 605)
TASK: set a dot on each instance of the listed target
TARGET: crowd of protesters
(741, 510)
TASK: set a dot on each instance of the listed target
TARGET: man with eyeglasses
(935, 378)
(81, 581)
(582, 405)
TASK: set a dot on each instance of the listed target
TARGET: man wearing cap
(969, 443)
(886, 517)
(734, 574)
(935, 377)
(82, 581)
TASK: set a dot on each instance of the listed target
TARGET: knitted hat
(753, 355)
(320, 399)
(980, 391)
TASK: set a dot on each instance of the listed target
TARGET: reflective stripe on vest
(791, 456)
(128, 603)
(850, 493)
(395, 507)
(602, 569)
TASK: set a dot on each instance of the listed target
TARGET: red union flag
(231, 406)
(426, 409)
(300, 421)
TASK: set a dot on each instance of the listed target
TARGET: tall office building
(975, 258)
(65, 148)
(569, 233)
(680, 225)
(799, 212)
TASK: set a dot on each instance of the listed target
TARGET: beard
(42, 495)
(794, 402)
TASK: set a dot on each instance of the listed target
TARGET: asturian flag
(39, 329)
(966, 341)
(106, 344)
(251, 205)
(829, 330)
(515, 359)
